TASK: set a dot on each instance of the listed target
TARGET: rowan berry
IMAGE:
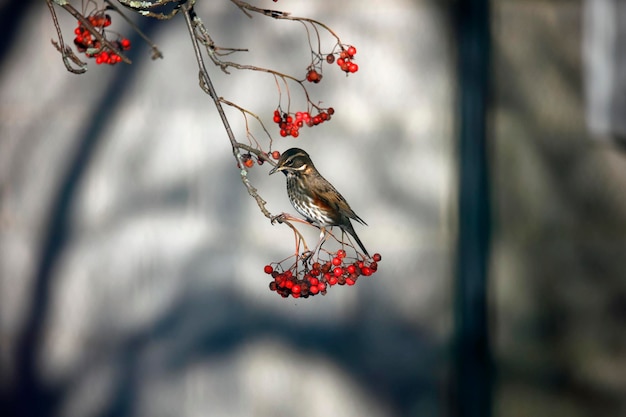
(313, 76)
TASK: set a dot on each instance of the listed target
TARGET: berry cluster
(290, 123)
(317, 277)
(345, 60)
(86, 42)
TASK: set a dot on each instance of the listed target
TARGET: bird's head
(293, 161)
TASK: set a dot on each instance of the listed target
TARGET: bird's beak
(273, 170)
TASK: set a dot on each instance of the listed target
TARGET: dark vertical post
(473, 370)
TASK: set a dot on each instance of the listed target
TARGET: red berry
(377, 257)
(125, 43)
(331, 111)
(296, 289)
(353, 67)
(351, 269)
(276, 155)
(338, 271)
(321, 286)
(332, 281)
(294, 133)
(314, 281)
(351, 51)
(350, 281)
(314, 289)
(283, 132)
(268, 269)
(341, 62)
(337, 261)
(249, 163)
(313, 76)
(330, 58)
(367, 271)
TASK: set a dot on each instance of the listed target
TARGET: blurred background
(131, 256)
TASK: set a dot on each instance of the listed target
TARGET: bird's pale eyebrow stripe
(302, 168)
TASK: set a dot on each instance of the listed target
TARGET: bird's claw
(278, 218)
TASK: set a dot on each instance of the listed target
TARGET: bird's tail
(348, 228)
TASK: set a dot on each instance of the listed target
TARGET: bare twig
(277, 14)
(191, 19)
(156, 53)
(245, 111)
(66, 52)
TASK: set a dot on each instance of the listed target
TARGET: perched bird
(313, 196)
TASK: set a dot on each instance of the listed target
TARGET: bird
(313, 196)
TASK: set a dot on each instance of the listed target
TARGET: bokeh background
(131, 256)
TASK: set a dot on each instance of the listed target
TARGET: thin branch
(245, 111)
(277, 14)
(156, 53)
(191, 19)
(66, 52)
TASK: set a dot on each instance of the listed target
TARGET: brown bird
(313, 196)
